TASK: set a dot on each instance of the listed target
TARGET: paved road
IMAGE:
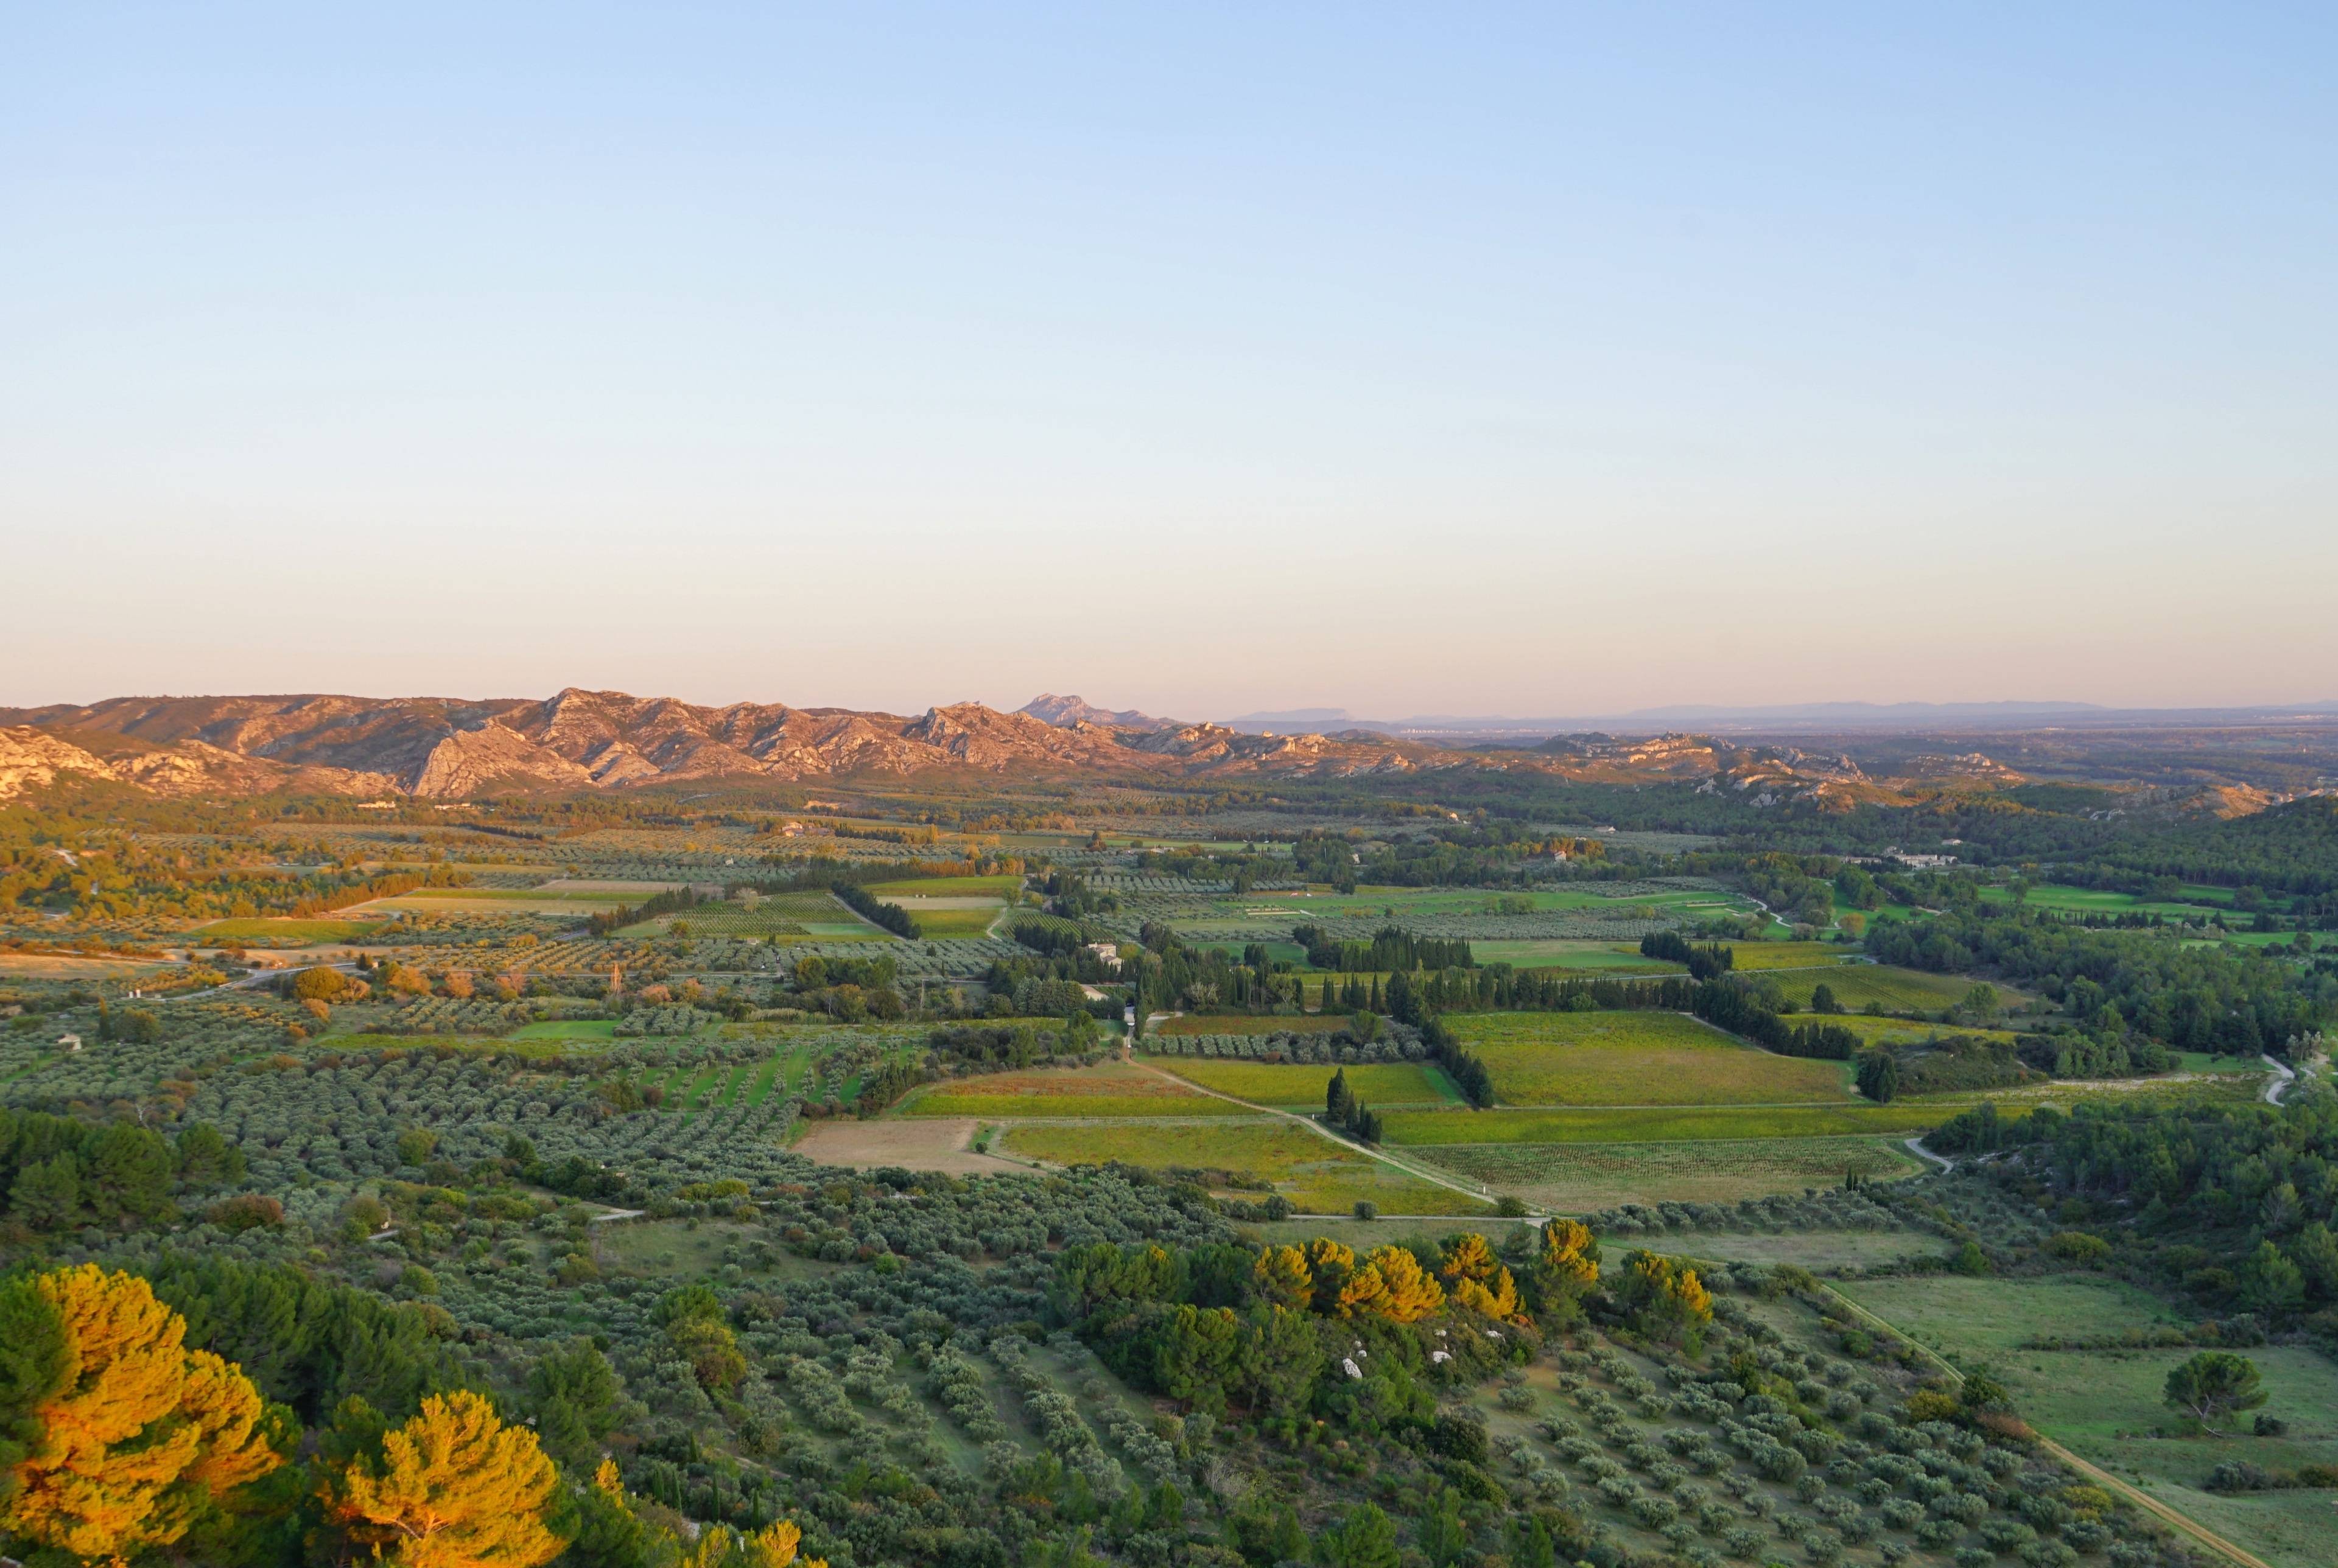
(2284, 1079)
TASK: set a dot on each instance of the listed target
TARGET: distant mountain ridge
(1789, 717)
(447, 747)
(450, 749)
(1065, 712)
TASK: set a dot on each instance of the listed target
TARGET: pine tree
(120, 1437)
(452, 1488)
(1474, 1277)
(1281, 1277)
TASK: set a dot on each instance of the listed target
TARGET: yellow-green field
(1872, 1030)
(1745, 956)
(1430, 1128)
(1573, 1177)
(283, 933)
(1635, 1058)
(1317, 1175)
(1379, 1084)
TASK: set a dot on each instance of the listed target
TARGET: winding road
(2285, 1075)
(1916, 1146)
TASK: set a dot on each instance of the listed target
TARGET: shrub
(245, 1211)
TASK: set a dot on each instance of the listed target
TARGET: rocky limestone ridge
(453, 748)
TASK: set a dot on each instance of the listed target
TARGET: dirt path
(2285, 1075)
(1435, 1179)
(2182, 1522)
(1916, 1146)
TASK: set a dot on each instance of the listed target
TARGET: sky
(1550, 359)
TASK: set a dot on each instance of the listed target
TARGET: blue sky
(1548, 360)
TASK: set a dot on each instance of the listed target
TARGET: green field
(1635, 1058)
(1821, 1251)
(568, 1029)
(1588, 1125)
(2105, 1405)
(1316, 1174)
(283, 933)
(2199, 904)
(1577, 1178)
(953, 923)
(1251, 1024)
(1899, 990)
(1379, 1084)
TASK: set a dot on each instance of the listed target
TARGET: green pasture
(2209, 1062)
(567, 1029)
(1635, 1058)
(2067, 900)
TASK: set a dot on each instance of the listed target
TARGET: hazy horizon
(1527, 362)
(2007, 709)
